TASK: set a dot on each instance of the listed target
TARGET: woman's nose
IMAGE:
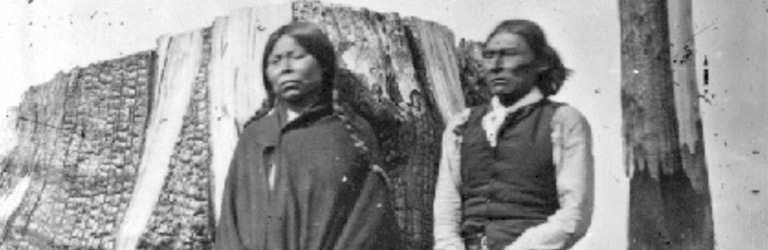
(287, 64)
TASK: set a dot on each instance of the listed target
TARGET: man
(516, 173)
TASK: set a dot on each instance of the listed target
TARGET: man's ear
(541, 68)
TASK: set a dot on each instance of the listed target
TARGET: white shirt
(574, 173)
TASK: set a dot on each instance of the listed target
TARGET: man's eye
(487, 54)
(508, 52)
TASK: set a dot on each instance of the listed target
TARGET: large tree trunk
(670, 206)
(132, 153)
(406, 96)
(81, 139)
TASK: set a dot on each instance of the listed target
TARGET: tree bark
(476, 91)
(670, 207)
(386, 79)
(81, 138)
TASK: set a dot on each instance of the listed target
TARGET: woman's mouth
(287, 85)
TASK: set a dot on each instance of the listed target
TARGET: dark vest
(511, 187)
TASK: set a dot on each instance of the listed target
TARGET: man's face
(507, 62)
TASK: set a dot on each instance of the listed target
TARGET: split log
(170, 199)
(235, 78)
(670, 206)
(435, 60)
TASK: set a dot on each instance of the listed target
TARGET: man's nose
(497, 63)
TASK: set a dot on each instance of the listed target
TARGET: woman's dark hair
(552, 73)
(312, 38)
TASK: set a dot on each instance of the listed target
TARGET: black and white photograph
(384, 125)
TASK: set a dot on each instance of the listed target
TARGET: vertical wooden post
(683, 51)
(670, 206)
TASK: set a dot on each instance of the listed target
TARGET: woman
(516, 173)
(305, 174)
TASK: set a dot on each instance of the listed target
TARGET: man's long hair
(551, 71)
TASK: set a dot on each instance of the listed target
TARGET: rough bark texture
(130, 153)
(182, 218)
(81, 140)
(669, 202)
(178, 65)
(379, 79)
(476, 92)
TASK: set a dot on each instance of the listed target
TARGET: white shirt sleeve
(572, 155)
(447, 204)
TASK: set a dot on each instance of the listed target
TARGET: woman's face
(507, 58)
(295, 75)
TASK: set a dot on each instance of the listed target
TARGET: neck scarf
(494, 119)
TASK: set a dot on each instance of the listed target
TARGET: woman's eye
(299, 55)
(273, 60)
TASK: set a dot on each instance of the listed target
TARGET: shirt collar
(304, 118)
(532, 97)
(494, 119)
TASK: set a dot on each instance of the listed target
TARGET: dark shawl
(325, 196)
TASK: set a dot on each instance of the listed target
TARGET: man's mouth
(498, 81)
